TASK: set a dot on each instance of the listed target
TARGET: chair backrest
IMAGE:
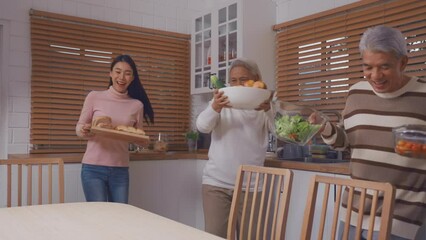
(16, 169)
(262, 215)
(364, 203)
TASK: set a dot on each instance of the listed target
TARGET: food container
(246, 97)
(318, 151)
(292, 122)
(161, 145)
(410, 140)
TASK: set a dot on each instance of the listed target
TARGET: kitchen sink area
(317, 160)
(310, 153)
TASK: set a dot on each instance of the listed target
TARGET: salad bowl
(291, 122)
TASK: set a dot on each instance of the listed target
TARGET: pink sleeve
(139, 118)
(86, 113)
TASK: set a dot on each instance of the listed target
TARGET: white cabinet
(201, 48)
(214, 46)
(170, 188)
(229, 32)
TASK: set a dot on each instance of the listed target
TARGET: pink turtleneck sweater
(124, 111)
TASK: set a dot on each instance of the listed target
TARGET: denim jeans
(352, 232)
(105, 184)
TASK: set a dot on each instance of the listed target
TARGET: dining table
(92, 220)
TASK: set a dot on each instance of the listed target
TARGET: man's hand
(315, 118)
(219, 101)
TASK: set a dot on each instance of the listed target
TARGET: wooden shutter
(318, 58)
(71, 56)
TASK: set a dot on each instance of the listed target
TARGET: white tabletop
(95, 220)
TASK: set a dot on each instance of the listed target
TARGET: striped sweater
(367, 131)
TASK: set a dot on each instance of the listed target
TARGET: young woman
(105, 168)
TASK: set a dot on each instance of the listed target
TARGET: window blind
(71, 56)
(317, 57)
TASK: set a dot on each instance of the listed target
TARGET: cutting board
(120, 135)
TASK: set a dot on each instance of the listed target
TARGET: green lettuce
(295, 129)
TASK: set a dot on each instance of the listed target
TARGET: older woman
(238, 137)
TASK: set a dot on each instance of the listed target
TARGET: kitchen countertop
(271, 161)
(336, 168)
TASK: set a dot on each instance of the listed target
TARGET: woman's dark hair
(135, 89)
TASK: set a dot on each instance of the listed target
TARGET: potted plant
(191, 138)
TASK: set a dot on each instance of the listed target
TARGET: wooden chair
(262, 215)
(360, 197)
(20, 166)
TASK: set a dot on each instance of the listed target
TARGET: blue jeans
(352, 232)
(105, 184)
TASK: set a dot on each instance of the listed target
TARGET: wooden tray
(120, 135)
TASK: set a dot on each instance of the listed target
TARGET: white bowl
(246, 97)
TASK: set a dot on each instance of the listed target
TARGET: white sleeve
(207, 119)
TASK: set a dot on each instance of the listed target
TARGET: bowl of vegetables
(410, 140)
(292, 124)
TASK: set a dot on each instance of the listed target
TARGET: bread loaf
(103, 122)
(121, 128)
(140, 131)
(130, 129)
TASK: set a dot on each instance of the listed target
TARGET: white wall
(293, 9)
(4, 50)
(170, 15)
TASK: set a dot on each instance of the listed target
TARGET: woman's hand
(219, 101)
(266, 105)
(85, 130)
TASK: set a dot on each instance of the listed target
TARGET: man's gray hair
(249, 65)
(383, 39)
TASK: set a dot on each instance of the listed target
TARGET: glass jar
(161, 144)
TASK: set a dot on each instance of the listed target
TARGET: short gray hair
(383, 39)
(251, 66)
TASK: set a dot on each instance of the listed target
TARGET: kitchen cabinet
(237, 29)
(170, 188)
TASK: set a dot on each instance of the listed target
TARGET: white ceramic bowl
(292, 122)
(246, 97)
